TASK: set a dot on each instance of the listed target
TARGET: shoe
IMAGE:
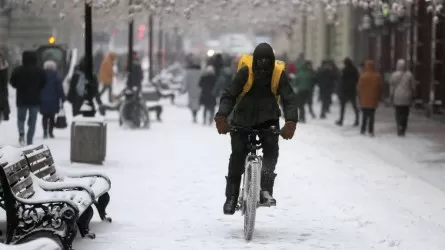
(372, 134)
(267, 184)
(22, 140)
(267, 199)
(339, 123)
(362, 132)
(45, 136)
(356, 124)
(51, 136)
(323, 116)
(232, 192)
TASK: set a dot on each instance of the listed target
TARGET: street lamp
(434, 7)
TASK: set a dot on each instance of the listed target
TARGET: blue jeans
(32, 119)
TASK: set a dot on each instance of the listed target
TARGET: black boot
(267, 183)
(232, 192)
(22, 140)
(51, 130)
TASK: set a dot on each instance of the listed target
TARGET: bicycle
(133, 111)
(249, 199)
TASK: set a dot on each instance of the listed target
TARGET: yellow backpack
(247, 60)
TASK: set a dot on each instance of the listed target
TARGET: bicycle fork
(252, 163)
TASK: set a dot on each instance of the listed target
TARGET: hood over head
(112, 56)
(50, 64)
(263, 58)
(401, 65)
(348, 62)
(369, 66)
(29, 58)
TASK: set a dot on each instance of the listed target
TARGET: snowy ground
(335, 189)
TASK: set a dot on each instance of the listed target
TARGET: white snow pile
(10, 155)
(38, 244)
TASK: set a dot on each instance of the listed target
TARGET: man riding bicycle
(256, 109)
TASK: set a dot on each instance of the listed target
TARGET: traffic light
(141, 32)
(51, 40)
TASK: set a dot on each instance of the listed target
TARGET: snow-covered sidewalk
(335, 189)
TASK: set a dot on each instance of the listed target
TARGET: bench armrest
(61, 186)
(82, 174)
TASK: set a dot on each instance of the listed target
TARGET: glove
(222, 125)
(288, 130)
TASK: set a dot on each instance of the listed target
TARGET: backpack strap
(280, 67)
(246, 60)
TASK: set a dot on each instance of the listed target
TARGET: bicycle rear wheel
(251, 196)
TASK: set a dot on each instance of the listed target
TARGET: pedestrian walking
(29, 80)
(369, 91)
(52, 98)
(402, 92)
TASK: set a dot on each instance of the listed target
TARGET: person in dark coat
(136, 76)
(257, 109)
(77, 95)
(336, 83)
(29, 80)
(310, 97)
(326, 81)
(348, 90)
(4, 103)
(207, 99)
(224, 78)
(52, 97)
(217, 62)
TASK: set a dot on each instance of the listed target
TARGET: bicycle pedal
(268, 204)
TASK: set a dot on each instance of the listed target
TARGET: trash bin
(88, 140)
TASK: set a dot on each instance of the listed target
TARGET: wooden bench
(34, 208)
(42, 165)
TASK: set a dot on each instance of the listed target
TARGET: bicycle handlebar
(274, 129)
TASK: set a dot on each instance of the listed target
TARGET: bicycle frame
(252, 160)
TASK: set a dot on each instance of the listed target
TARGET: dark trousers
(325, 99)
(209, 113)
(309, 102)
(32, 119)
(303, 96)
(194, 114)
(48, 124)
(402, 114)
(108, 87)
(368, 118)
(239, 142)
(343, 103)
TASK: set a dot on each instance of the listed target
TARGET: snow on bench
(42, 165)
(37, 244)
(32, 209)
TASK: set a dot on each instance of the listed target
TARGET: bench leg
(84, 223)
(101, 206)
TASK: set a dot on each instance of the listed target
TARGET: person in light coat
(402, 91)
(191, 87)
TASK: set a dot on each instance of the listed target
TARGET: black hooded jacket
(259, 105)
(29, 80)
(349, 80)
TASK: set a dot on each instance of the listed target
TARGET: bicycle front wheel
(251, 196)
